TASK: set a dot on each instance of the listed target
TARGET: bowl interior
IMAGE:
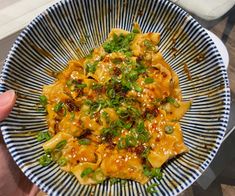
(69, 30)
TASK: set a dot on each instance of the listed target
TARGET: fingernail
(7, 97)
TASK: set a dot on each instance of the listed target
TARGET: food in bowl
(115, 113)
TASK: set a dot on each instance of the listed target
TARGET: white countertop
(16, 14)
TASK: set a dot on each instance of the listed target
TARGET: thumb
(7, 101)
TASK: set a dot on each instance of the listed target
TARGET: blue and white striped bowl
(57, 35)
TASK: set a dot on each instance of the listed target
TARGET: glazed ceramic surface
(69, 30)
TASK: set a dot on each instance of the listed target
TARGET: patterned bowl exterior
(57, 35)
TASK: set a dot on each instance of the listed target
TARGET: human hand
(12, 180)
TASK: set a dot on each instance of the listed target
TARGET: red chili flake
(117, 71)
(139, 149)
(71, 105)
(164, 74)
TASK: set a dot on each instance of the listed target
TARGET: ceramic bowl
(69, 30)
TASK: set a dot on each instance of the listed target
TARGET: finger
(7, 101)
(34, 191)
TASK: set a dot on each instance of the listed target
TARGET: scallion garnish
(81, 86)
(121, 143)
(114, 180)
(137, 88)
(69, 82)
(172, 101)
(86, 172)
(133, 75)
(148, 44)
(58, 106)
(43, 100)
(43, 136)
(131, 141)
(148, 80)
(136, 30)
(98, 176)
(151, 188)
(91, 68)
(169, 129)
(152, 172)
(45, 160)
(61, 145)
(110, 93)
(62, 161)
(84, 141)
(72, 116)
(145, 153)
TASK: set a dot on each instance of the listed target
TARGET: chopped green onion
(116, 61)
(98, 176)
(135, 31)
(113, 130)
(89, 56)
(105, 131)
(119, 43)
(144, 137)
(169, 129)
(61, 145)
(149, 116)
(114, 180)
(145, 153)
(134, 111)
(140, 68)
(43, 136)
(48, 151)
(105, 115)
(127, 125)
(45, 160)
(148, 44)
(128, 53)
(86, 172)
(114, 102)
(88, 102)
(97, 86)
(72, 116)
(133, 75)
(172, 101)
(121, 143)
(151, 188)
(140, 127)
(56, 154)
(147, 171)
(122, 113)
(126, 83)
(95, 107)
(62, 161)
(130, 141)
(81, 86)
(137, 88)
(110, 93)
(43, 100)
(69, 82)
(148, 80)
(84, 141)
(156, 172)
(91, 67)
(65, 110)
(123, 181)
(58, 106)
